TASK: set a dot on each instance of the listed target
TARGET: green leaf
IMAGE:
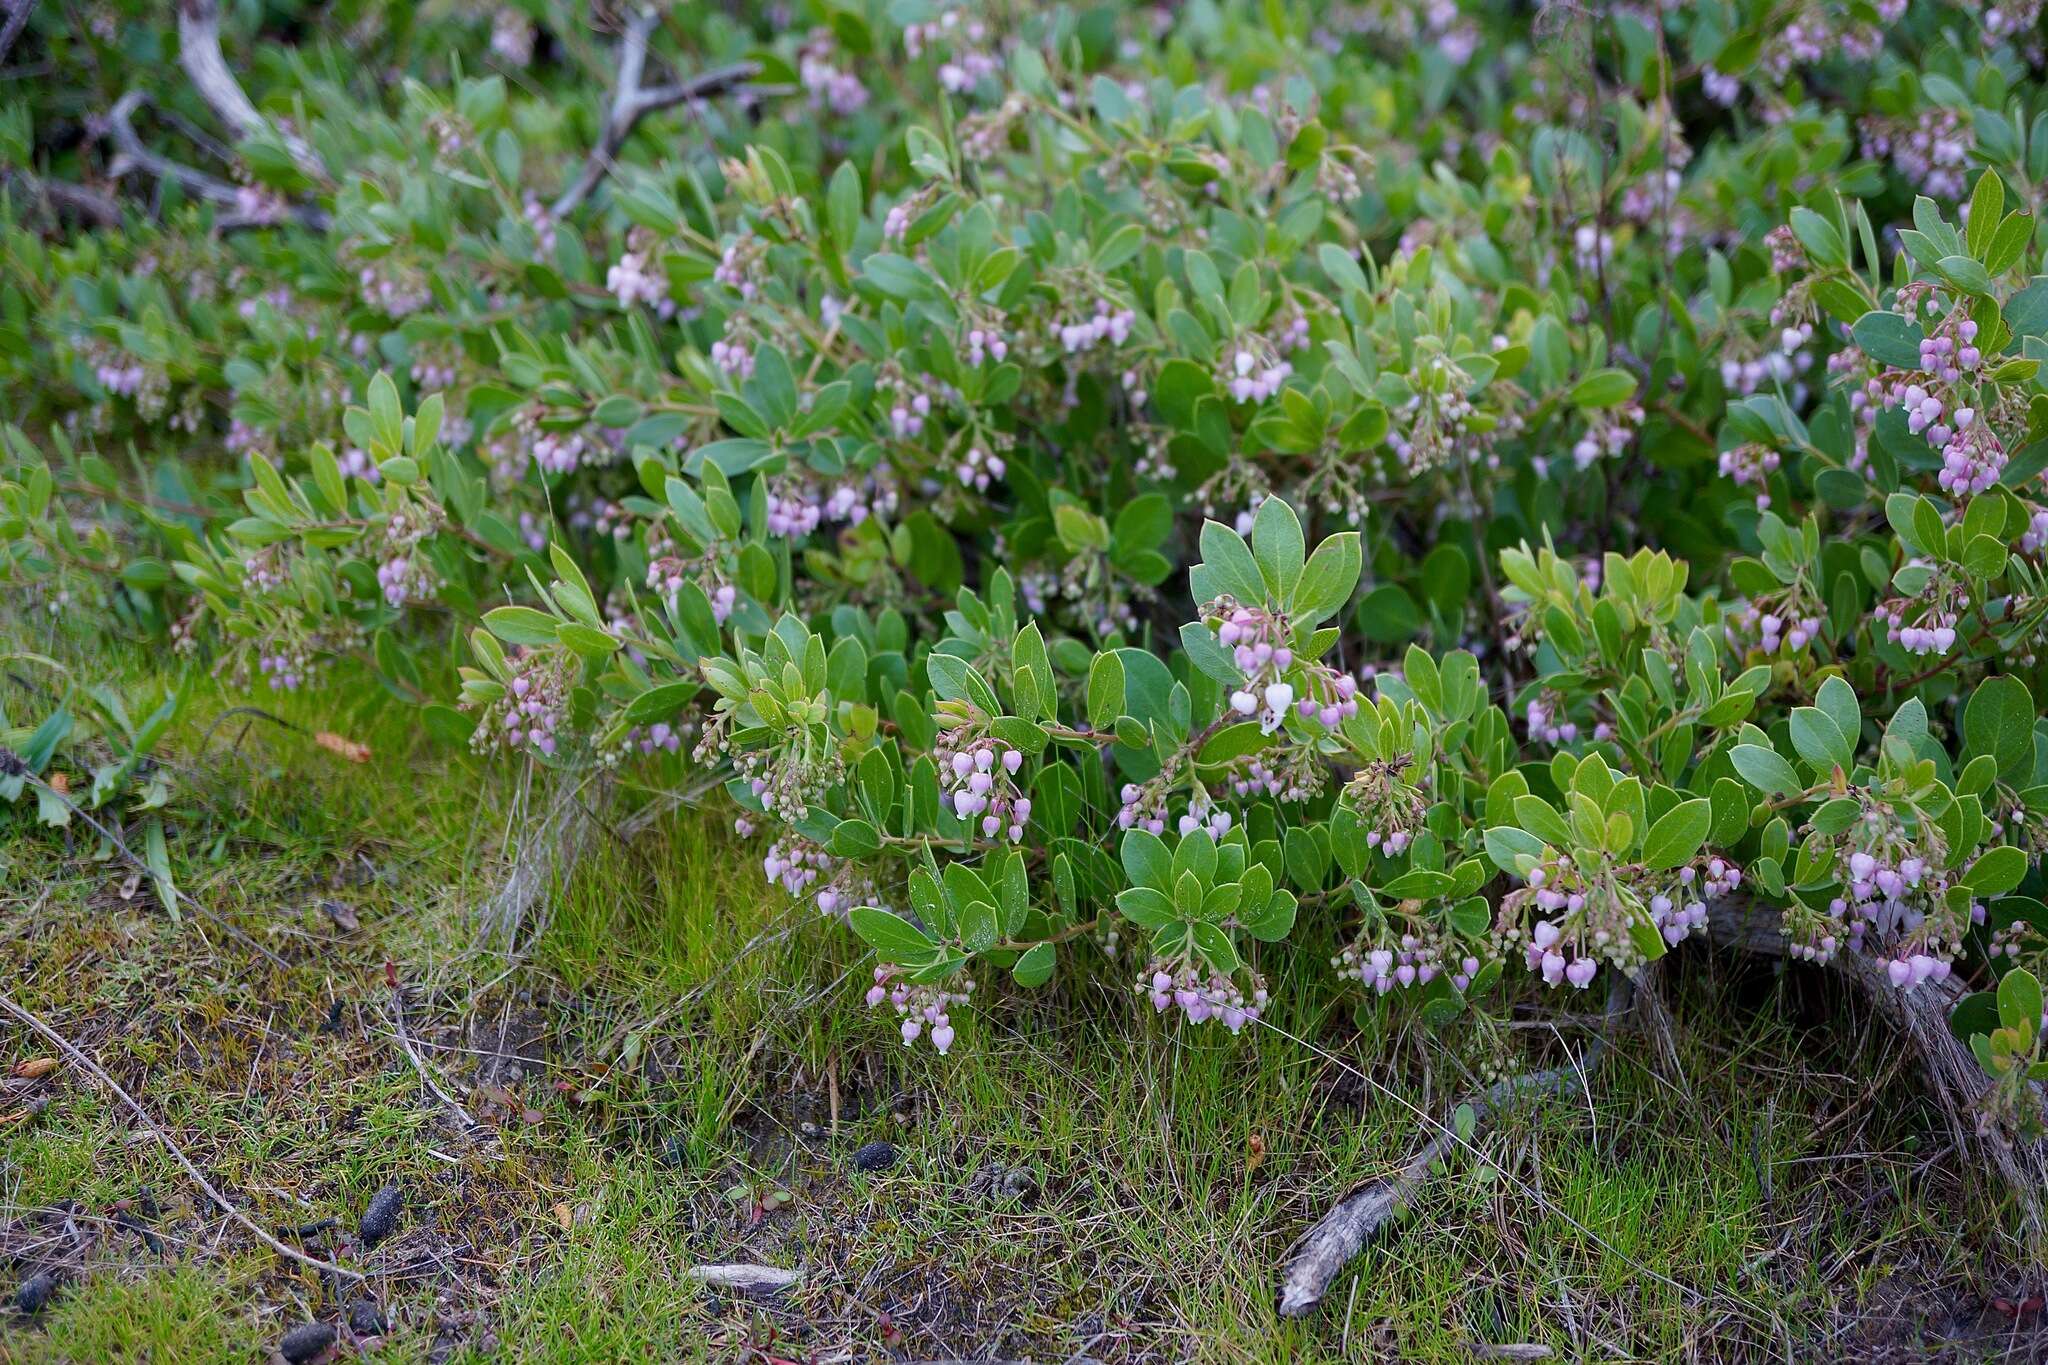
(1987, 207)
(521, 625)
(1145, 906)
(843, 205)
(587, 641)
(2027, 311)
(1227, 567)
(1889, 339)
(1146, 860)
(1765, 770)
(1035, 967)
(2019, 998)
(1234, 742)
(1278, 547)
(1604, 389)
(1541, 819)
(1105, 691)
(1822, 240)
(893, 938)
(1838, 699)
(1819, 740)
(854, 839)
(1387, 616)
(1996, 871)
(1999, 721)
(1329, 578)
(1965, 274)
(1505, 845)
(1678, 834)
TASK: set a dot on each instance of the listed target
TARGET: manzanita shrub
(1127, 475)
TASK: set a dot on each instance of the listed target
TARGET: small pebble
(876, 1156)
(380, 1220)
(364, 1318)
(306, 1341)
(35, 1291)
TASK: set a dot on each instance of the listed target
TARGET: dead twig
(93, 1069)
(632, 101)
(131, 154)
(465, 1123)
(199, 53)
(556, 846)
(65, 199)
(17, 12)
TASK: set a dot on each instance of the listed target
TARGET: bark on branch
(15, 19)
(131, 154)
(199, 53)
(1959, 1087)
(64, 199)
(632, 101)
(1956, 1081)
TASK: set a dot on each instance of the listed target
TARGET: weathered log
(1956, 1082)
(1317, 1256)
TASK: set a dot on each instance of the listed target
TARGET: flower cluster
(403, 574)
(1248, 380)
(978, 783)
(666, 576)
(1751, 465)
(1925, 623)
(919, 1006)
(1931, 149)
(829, 86)
(286, 666)
(637, 278)
(1201, 995)
(1581, 918)
(1608, 433)
(1389, 808)
(534, 706)
(1294, 773)
(1758, 627)
(978, 468)
(1107, 323)
(1411, 959)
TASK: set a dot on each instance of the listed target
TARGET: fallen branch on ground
(1958, 1084)
(93, 1069)
(631, 102)
(1316, 1257)
(749, 1279)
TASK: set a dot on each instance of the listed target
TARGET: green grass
(1773, 1190)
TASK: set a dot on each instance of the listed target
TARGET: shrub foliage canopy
(1129, 475)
